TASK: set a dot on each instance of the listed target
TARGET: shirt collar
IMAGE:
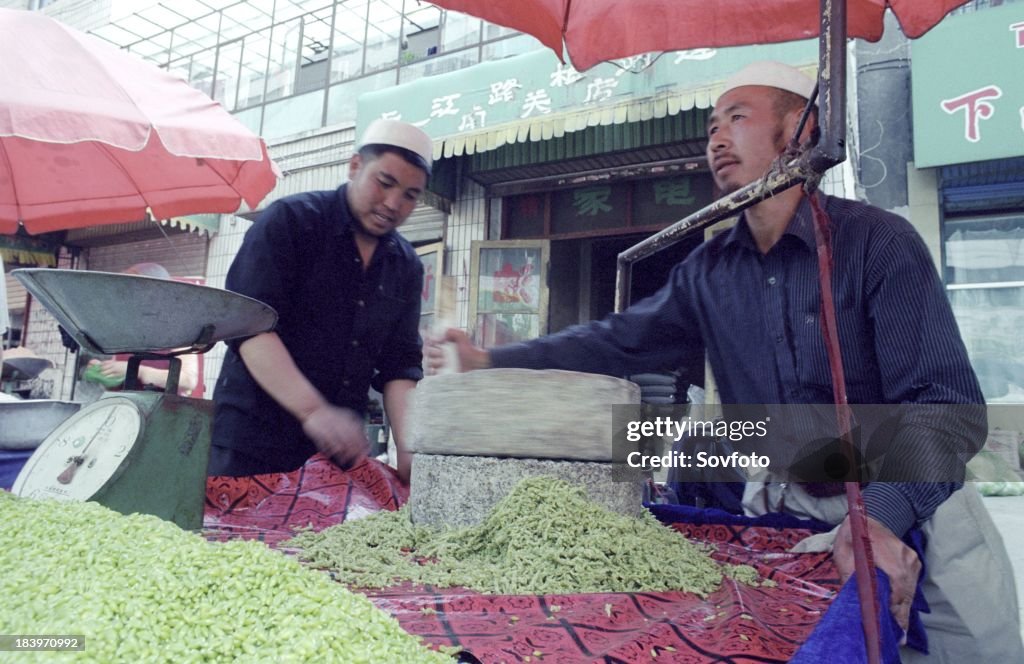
(801, 227)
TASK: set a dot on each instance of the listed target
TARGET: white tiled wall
(466, 223)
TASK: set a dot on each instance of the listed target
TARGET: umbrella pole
(830, 150)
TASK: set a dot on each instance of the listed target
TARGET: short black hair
(786, 101)
(373, 151)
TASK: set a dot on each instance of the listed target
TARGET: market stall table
(765, 623)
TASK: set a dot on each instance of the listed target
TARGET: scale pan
(108, 313)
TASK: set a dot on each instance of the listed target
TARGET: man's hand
(339, 434)
(891, 555)
(111, 368)
(470, 357)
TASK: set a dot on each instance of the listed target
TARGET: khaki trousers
(969, 582)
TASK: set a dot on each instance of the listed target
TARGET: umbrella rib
(14, 187)
(106, 150)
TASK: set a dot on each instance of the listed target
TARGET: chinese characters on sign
(967, 91)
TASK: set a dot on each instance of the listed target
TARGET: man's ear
(793, 121)
(354, 164)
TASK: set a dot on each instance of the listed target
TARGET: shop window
(524, 215)
(984, 268)
(508, 298)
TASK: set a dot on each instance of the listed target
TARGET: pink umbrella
(90, 134)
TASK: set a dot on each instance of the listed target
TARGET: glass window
(984, 267)
(524, 215)
(493, 31)
(420, 32)
(508, 292)
(314, 60)
(349, 33)
(459, 30)
(246, 17)
(438, 65)
(251, 118)
(254, 68)
(985, 249)
(341, 101)
(201, 75)
(293, 115)
(229, 62)
(180, 68)
(506, 48)
(284, 56)
(383, 34)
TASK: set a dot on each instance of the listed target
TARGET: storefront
(550, 173)
(968, 95)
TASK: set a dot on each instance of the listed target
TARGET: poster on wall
(432, 257)
(508, 291)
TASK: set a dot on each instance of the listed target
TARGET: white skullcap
(774, 75)
(402, 135)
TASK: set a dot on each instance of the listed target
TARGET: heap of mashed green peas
(545, 537)
(140, 589)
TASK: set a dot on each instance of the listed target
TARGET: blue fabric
(344, 326)
(669, 514)
(11, 463)
(839, 637)
(758, 316)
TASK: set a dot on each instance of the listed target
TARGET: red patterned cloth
(736, 623)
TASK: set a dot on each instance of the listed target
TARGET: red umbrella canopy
(599, 30)
(90, 134)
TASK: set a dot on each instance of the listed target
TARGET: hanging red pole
(863, 560)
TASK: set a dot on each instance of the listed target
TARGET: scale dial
(84, 453)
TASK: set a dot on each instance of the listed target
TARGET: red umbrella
(90, 134)
(599, 30)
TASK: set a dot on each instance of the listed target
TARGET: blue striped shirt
(757, 315)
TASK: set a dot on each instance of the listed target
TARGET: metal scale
(135, 451)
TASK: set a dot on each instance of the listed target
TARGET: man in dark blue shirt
(750, 296)
(347, 290)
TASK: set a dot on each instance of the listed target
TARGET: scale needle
(69, 472)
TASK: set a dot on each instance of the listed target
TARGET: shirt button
(771, 281)
(356, 259)
(361, 303)
(355, 342)
(778, 339)
(346, 382)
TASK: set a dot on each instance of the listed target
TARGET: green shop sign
(535, 87)
(968, 88)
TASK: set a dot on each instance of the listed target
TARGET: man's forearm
(272, 366)
(396, 403)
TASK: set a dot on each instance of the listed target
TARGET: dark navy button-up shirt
(344, 326)
(758, 315)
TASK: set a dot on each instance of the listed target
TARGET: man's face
(745, 134)
(383, 191)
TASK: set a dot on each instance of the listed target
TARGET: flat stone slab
(549, 414)
(461, 490)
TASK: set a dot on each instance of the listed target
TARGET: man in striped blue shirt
(751, 298)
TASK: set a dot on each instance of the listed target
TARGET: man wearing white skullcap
(750, 298)
(346, 287)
